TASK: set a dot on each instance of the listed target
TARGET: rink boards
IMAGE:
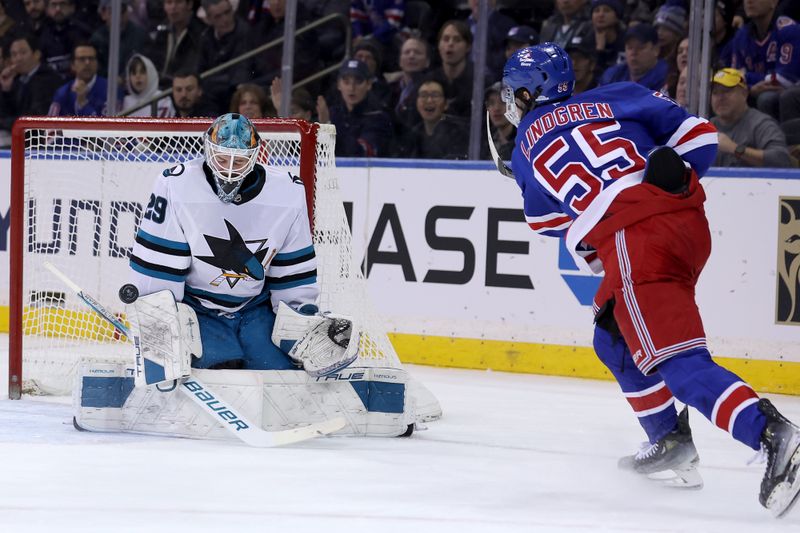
(462, 280)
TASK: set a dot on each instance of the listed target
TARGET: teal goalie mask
(231, 150)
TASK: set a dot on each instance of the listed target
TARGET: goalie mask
(534, 76)
(231, 150)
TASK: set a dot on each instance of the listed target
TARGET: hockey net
(79, 188)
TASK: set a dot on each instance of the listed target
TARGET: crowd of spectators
(406, 90)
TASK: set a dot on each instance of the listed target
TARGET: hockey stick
(204, 397)
(499, 163)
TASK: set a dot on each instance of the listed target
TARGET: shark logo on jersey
(235, 259)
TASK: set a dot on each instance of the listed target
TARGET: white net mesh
(84, 193)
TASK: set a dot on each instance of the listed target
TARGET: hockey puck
(128, 293)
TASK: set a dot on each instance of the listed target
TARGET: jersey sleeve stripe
(690, 128)
(145, 238)
(293, 255)
(707, 139)
(157, 246)
(555, 221)
(158, 272)
(293, 277)
(283, 262)
(297, 283)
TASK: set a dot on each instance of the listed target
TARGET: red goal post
(93, 166)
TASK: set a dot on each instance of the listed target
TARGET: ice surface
(514, 453)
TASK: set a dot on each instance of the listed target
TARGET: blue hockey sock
(651, 400)
(719, 394)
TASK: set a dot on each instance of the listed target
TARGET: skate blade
(689, 478)
(786, 494)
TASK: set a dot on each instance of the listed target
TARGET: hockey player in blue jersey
(229, 238)
(615, 172)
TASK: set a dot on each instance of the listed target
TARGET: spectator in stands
(607, 36)
(518, 37)
(225, 39)
(187, 95)
(571, 18)
(455, 73)
(33, 23)
(503, 132)
(7, 24)
(415, 58)
(787, 74)
(62, 31)
(85, 94)
(176, 43)
(642, 64)
(377, 19)
(497, 30)
(133, 38)
(670, 23)
(252, 101)
(306, 48)
(363, 128)
(301, 104)
(681, 96)
(722, 31)
(27, 84)
(747, 137)
(682, 56)
(753, 49)
(141, 77)
(583, 64)
(369, 52)
(438, 136)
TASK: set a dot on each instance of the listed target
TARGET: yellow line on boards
(571, 361)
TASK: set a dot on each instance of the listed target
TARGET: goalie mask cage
(78, 190)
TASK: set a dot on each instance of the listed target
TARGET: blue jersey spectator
(85, 94)
(379, 19)
(642, 64)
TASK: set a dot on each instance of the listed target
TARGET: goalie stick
(498, 161)
(205, 398)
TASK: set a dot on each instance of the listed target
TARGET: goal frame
(308, 142)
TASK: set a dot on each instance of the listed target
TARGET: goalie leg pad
(322, 344)
(165, 335)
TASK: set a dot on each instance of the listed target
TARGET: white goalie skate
(671, 461)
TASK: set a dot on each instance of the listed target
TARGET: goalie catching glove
(322, 344)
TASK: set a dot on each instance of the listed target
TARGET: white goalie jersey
(226, 256)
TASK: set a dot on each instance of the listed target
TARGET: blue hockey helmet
(231, 150)
(534, 76)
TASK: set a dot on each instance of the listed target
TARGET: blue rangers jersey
(573, 157)
(757, 57)
(379, 18)
(788, 69)
(226, 256)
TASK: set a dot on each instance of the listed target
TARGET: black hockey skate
(781, 442)
(672, 460)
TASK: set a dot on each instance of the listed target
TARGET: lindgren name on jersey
(561, 116)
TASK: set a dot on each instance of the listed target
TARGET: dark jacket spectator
(187, 96)
(225, 39)
(503, 132)
(571, 18)
(33, 21)
(642, 64)
(518, 37)
(176, 42)
(369, 52)
(62, 31)
(607, 35)
(133, 38)
(7, 25)
(269, 28)
(583, 64)
(455, 73)
(363, 128)
(498, 27)
(27, 84)
(438, 136)
(414, 62)
(85, 94)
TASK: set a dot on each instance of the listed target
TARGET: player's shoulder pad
(175, 171)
